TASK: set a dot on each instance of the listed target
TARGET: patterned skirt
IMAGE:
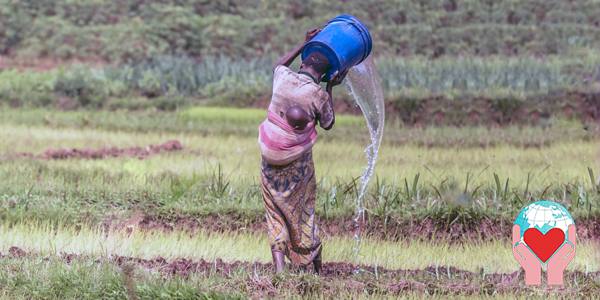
(289, 194)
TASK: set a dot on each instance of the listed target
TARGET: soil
(424, 229)
(260, 282)
(87, 153)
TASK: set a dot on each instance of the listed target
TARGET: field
(188, 222)
(129, 163)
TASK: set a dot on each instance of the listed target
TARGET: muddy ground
(425, 229)
(257, 281)
(106, 152)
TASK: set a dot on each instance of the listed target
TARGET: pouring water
(364, 85)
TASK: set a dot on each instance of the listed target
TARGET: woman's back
(294, 89)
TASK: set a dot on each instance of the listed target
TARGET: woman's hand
(338, 78)
(526, 258)
(311, 34)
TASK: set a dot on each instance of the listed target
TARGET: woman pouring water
(286, 139)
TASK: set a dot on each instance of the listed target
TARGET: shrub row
(417, 91)
(131, 30)
(163, 82)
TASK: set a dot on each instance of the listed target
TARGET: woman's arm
(289, 57)
(327, 117)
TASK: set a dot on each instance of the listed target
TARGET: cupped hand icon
(563, 256)
(527, 259)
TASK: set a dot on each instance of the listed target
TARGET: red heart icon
(544, 245)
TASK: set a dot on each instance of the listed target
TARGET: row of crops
(127, 30)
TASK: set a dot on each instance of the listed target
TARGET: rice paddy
(217, 169)
(49, 240)
(93, 221)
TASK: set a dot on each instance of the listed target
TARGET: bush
(30, 89)
(134, 103)
(83, 85)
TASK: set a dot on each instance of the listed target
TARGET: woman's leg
(289, 194)
(317, 263)
(305, 245)
(278, 260)
(276, 225)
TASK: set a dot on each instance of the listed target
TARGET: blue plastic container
(345, 41)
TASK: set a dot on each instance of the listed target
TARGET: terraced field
(129, 160)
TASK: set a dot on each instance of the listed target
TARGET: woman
(286, 138)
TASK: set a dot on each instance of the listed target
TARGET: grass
(411, 178)
(246, 116)
(52, 279)
(241, 154)
(54, 207)
(244, 122)
(47, 239)
(84, 278)
(216, 144)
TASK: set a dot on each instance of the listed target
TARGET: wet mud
(107, 152)
(486, 229)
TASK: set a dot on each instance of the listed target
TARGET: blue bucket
(345, 41)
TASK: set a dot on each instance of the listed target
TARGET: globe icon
(544, 215)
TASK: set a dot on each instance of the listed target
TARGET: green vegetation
(163, 83)
(127, 30)
(509, 86)
(518, 80)
(532, 59)
(56, 208)
(84, 278)
(244, 122)
(421, 173)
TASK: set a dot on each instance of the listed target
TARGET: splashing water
(364, 85)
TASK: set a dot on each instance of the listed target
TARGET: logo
(544, 235)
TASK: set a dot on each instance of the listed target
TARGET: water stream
(364, 85)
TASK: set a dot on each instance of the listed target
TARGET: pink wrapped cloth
(281, 144)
